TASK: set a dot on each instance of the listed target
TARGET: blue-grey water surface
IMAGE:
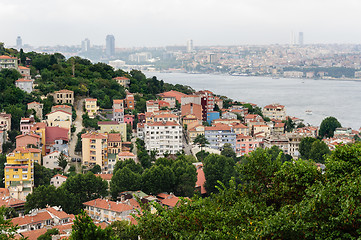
(338, 98)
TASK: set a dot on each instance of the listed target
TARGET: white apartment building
(166, 137)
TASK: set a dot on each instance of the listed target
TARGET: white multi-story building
(165, 137)
(274, 111)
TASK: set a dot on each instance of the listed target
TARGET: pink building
(26, 124)
(28, 139)
(129, 119)
(245, 144)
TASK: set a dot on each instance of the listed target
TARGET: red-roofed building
(129, 119)
(94, 149)
(171, 97)
(8, 62)
(201, 179)
(125, 82)
(28, 139)
(58, 180)
(129, 100)
(105, 210)
(246, 144)
(26, 124)
(65, 108)
(276, 111)
(56, 139)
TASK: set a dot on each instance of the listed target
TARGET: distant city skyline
(138, 23)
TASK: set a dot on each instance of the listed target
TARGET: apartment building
(94, 149)
(113, 126)
(105, 210)
(19, 171)
(219, 135)
(59, 118)
(118, 110)
(8, 62)
(64, 96)
(91, 107)
(165, 137)
(274, 111)
(129, 100)
(246, 144)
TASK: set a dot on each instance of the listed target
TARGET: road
(78, 124)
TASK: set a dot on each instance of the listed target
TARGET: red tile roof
(23, 80)
(27, 135)
(91, 100)
(218, 127)
(201, 179)
(108, 123)
(24, 220)
(27, 150)
(104, 176)
(108, 205)
(53, 133)
(24, 68)
(114, 137)
(175, 94)
(170, 202)
(64, 91)
(58, 213)
(58, 111)
(7, 57)
(121, 78)
(94, 135)
(168, 123)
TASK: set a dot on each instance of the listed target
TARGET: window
(15, 176)
(25, 176)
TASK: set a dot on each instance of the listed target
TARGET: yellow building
(91, 107)
(19, 171)
(94, 149)
(113, 126)
(59, 118)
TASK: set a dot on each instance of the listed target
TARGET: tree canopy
(328, 126)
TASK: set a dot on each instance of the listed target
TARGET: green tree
(319, 150)
(7, 228)
(289, 125)
(96, 169)
(328, 126)
(123, 230)
(79, 189)
(84, 228)
(124, 180)
(41, 197)
(62, 161)
(217, 168)
(201, 141)
(185, 175)
(228, 151)
(49, 233)
(158, 179)
(42, 175)
(305, 147)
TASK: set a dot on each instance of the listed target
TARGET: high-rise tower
(110, 45)
(300, 38)
(190, 45)
(85, 45)
(19, 42)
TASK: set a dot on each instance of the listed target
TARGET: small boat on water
(308, 112)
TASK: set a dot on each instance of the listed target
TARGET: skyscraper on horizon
(300, 38)
(19, 42)
(110, 45)
(190, 45)
(85, 45)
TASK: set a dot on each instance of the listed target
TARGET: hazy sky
(172, 22)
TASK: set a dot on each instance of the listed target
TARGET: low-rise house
(5, 121)
(201, 179)
(38, 108)
(140, 131)
(51, 160)
(308, 130)
(112, 126)
(281, 141)
(58, 180)
(264, 130)
(229, 115)
(24, 71)
(26, 140)
(56, 139)
(194, 130)
(59, 118)
(25, 84)
(141, 117)
(64, 96)
(129, 100)
(105, 210)
(42, 218)
(91, 107)
(252, 118)
(118, 115)
(240, 128)
(122, 156)
(9, 202)
(171, 97)
(192, 109)
(129, 119)
(26, 124)
(278, 128)
(168, 200)
(123, 81)
(65, 108)
(187, 120)
(226, 121)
